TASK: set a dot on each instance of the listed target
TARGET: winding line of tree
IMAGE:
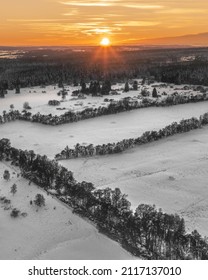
(90, 150)
(146, 232)
(126, 104)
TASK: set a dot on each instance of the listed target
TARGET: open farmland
(38, 97)
(171, 173)
(50, 140)
(50, 232)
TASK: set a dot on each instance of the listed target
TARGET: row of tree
(125, 104)
(147, 137)
(96, 87)
(146, 232)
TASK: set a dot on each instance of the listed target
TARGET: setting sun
(105, 42)
(90, 23)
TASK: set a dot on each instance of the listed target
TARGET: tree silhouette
(13, 189)
(39, 200)
(135, 85)
(154, 93)
(6, 175)
(126, 87)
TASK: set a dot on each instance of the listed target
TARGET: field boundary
(114, 107)
(185, 125)
(147, 232)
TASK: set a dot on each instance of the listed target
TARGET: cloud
(72, 12)
(37, 20)
(88, 4)
(84, 24)
(98, 31)
(143, 6)
(115, 3)
(184, 11)
(137, 23)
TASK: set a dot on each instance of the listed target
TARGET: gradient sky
(65, 22)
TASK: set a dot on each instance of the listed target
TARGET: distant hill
(195, 40)
(190, 39)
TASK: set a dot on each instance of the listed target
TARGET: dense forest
(44, 66)
(146, 232)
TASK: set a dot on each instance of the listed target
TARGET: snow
(38, 97)
(50, 140)
(170, 173)
(50, 232)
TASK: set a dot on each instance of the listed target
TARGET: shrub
(15, 213)
(6, 175)
(13, 189)
(53, 102)
(39, 200)
(26, 106)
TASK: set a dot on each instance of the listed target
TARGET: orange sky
(65, 22)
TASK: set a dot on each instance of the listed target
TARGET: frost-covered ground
(50, 140)
(50, 232)
(38, 97)
(39, 100)
(170, 173)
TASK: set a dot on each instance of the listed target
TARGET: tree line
(114, 107)
(145, 232)
(90, 150)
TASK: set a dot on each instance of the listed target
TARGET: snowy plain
(49, 232)
(171, 173)
(50, 140)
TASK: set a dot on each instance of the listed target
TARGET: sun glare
(105, 42)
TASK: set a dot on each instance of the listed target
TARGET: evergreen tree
(63, 94)
(17, 89)
(60, 83)
(2, 93)
(6, 175)
(126, 87)
(135, 85)
(154, 93)
(75, 83)
(83, 87)
(106, 87)
(39, 200)
(13, 189)
(143, 81)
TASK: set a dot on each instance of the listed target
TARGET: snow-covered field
(51, 140)
(39, 100)
(50, 232)
(38, 97)
(171, 173)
